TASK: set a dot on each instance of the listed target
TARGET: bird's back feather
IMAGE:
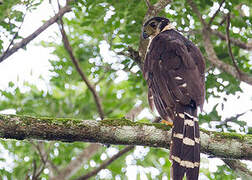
(174, 71)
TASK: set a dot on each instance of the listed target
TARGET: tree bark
(119, 131)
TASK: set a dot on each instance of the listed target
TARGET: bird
(174, 70)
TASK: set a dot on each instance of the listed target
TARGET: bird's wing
(175, 76)
(172, 74)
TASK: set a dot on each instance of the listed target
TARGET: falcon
(174, 71)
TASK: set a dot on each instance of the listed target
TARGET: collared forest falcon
(174, 70)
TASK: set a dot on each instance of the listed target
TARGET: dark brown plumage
(174, 71)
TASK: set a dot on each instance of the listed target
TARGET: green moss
(117, 122)
(60, 121)
(28, 120)
(224, 135)
(230, 135)
(126, 122)
(205, 131)
(161, 126)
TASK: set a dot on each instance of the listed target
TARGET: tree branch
(240, 168)
(197, 12)
(74, 165)
(148, 4)
(26, 40)
(236, 42)
(233, 118)
(106, 163)
(132, 54)
(223, 37)
(44, 156)
(78, 68)
(119, 131)
(229, 46)
(216, 12)
(212, 57)
(16, 33)
(155, 9)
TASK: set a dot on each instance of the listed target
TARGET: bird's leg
(168, 123)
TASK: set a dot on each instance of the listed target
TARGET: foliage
(96, 24)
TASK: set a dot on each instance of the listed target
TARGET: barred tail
(185, 148)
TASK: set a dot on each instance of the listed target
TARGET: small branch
(236, 42)
(212, 57)
(78, 68)
(215, 14)
(75, 164)
(229, 46)
(240, 168)
(44, 155)
(234, 118)
(34, 169)
(153, 10)
(106, 163)
(197, 12)
(26, 40)
(222, 36)
(53, 167)
(149, 5)
(132, 54)
(113, 158)
(133, 113)
(223, 20)
(41, 154)
(15, 35)
(119, 131)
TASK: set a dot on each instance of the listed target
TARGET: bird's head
(154, 26)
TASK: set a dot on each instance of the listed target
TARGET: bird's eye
(153, 24)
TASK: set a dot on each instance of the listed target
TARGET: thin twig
(53, 167)
(211, 55)
(229, 46)
(43, 156)
(213, 59)
(240, 168)
(215, 14)
(134, 112)
(237, 42)
(234, 118)
(32, 36)
(75, 164)
(149, 5)
(42, 167)
(223, 20)
(132, 54)
(34, 168)
(78, 68)
(106, 163)
(197, 12)
(16, 34)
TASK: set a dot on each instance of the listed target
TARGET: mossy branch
(119, 131)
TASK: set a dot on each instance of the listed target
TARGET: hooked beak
(145, 35)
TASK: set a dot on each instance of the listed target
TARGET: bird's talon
(167, 122)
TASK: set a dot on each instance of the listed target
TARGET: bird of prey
(174, 71)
